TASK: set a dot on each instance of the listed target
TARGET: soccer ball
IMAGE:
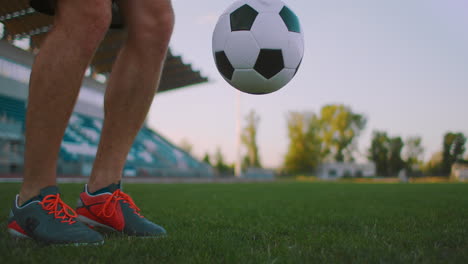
(258, 45)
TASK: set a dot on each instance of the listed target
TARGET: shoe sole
(93, 224)
(19, 236)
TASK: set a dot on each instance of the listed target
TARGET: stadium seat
(149, 150)
(13, 108)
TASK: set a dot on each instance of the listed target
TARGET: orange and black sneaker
(110, 208)
(47, 219)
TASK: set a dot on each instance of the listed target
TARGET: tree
(249, 140)
(304, 143)
(219, 164)
(385, 152)
(453, 150)
(434, 166)
(413, 152)
(379, 152)
(207, 159)
(395, 162)
(340, 127)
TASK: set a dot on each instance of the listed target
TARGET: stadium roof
(20, 20)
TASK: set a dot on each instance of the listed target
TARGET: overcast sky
(403, 64)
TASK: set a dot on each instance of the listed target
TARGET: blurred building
(460, 171)
(336, 170)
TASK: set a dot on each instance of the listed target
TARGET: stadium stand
(150, 155)
(12, 113)
(150, 152)
(12, 108)
(11, 144)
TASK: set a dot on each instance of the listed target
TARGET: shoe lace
(54, 204)
(110, 205)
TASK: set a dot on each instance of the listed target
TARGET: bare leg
(132, 85)
(56, 77)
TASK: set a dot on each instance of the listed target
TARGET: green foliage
(339, 128)
(249, 140)
(330, 136)
(207, 159)
(395, 163)
(304, 150)
(413, 152)
(453, 150)
(434, 166)
(385, 152)
(219, 163)
(379, 152)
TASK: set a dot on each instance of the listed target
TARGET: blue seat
(13, 108)
(149, 149)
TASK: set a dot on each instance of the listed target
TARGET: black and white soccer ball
(258, 45)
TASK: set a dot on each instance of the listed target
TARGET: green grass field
(284, 222)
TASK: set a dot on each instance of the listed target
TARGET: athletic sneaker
(47, 219)
(112, 209)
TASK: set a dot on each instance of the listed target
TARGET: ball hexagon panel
(270, 31)
(290, 19)
(295, 50)
(223, 65)
(269, 62)
(242, 50)
(222, 32)
(252, 82)
(243, 18)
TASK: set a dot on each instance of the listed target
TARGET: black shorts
(48, 7)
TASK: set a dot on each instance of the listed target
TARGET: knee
(163, 26)
(87, 21)
(153, 28)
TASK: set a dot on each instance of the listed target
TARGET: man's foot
(47, 219)
(110, 208)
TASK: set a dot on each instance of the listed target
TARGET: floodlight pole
(238, 165)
